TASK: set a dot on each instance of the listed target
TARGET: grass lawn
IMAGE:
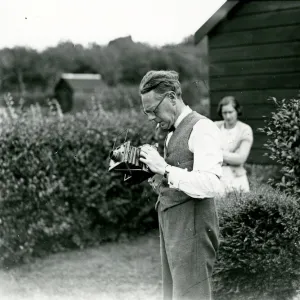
(127, 270)
(123, 270)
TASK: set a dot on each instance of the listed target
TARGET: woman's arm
(240, 156)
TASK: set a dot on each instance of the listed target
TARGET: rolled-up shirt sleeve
(204, 180)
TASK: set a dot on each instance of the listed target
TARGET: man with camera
(186, 180)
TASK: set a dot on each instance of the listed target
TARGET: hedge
(56, 192)
(260, 245)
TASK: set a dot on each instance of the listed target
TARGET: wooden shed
(73, 88)
(254, 54)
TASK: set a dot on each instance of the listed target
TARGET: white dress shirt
(205, 142)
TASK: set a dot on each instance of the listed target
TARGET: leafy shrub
(283, 130)
(260, 244)
(56, 192)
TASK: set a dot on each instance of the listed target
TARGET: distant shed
(72, 88)
(254, 53)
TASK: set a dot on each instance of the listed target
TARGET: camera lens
(116, 155)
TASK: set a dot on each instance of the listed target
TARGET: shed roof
(82, 81)
(217, 17)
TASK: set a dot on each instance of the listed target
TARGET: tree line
(122, 61)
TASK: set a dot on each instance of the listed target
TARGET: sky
(42, 23)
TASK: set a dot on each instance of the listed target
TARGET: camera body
(126, 159)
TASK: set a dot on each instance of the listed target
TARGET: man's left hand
(151, 157)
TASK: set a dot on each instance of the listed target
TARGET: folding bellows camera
(126, 159)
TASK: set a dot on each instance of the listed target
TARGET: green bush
(283, 130)
(56, 192)
(260, 245)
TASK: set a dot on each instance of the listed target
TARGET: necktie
(172, 128)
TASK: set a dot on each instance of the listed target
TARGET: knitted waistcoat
(177, 154)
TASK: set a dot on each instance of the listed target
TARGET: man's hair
(229, 100)
(160, 82)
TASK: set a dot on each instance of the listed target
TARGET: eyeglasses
(153, 112)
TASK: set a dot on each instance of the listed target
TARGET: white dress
(231, 182)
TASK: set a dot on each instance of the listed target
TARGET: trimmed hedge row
(56, 192)
(259, 256)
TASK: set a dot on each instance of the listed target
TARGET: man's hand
(151, 157)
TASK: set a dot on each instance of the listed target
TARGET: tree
(20, 67)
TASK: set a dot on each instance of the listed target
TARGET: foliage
(121, 62)
(260, 244)
(283, 130)
(56, 192)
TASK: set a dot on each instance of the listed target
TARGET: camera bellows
(126, 159)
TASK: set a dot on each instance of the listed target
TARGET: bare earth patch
(124, 270)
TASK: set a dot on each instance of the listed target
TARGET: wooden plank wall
(254, 54)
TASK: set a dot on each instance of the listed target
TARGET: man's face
(160, 109)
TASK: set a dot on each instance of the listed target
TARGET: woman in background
(237, 140)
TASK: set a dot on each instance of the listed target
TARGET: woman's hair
(161, 82)
(229, 100)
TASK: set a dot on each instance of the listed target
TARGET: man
(187, 179)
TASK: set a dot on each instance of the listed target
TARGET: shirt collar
(187, 110)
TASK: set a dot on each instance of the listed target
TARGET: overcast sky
(42, 23)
